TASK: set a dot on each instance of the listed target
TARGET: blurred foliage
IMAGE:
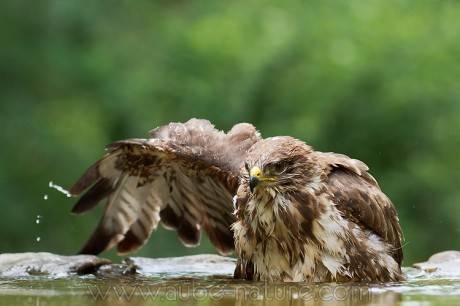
(376, 80)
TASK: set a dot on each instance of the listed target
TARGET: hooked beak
(255, 176)
(253, 182)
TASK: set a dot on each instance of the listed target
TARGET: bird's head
(277, 162)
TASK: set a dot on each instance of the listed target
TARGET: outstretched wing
(358, 196)
(185, 176)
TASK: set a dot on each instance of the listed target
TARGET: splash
(37, 221)
(60, 189)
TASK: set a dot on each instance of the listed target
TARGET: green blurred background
(376, 80)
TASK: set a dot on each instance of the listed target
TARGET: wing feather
(184, 176)
(358, 196)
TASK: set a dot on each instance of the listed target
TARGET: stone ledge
(446, 263)
(48, 264)
(27, 264)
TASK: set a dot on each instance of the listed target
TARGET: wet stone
(125, 268)
(47, 264)
(445, 263)
(196, 265)
(26, 264)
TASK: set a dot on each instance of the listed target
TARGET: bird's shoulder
(357, 195)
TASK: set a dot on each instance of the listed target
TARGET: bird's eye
(277, 167)
(280, 166)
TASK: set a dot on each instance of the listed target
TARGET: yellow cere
(255, 171)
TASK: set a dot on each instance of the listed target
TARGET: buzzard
(289, 212)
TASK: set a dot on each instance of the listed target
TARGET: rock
(126, 267)
(196, 265)
(25, 264)
(447, 263)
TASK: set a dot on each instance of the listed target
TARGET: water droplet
(45, 197)
(38, 239)
(39, 217)
(59, 188)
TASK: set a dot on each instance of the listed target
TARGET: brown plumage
(297, 214)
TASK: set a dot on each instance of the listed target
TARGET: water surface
(156, 286)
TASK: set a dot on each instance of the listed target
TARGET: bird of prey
(291, 213)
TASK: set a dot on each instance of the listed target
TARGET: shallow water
(152, 287)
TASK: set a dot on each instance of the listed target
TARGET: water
(198, 288)
(58, 188)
